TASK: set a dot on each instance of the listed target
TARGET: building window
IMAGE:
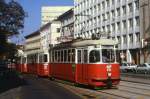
(113, 27)
(99, 7)
(108, 16)
(137, 37)
(130, 38)
(118, 11)
(118, 38)
(103, 17)
(124, 10)
(118, 1)
(58, 30)
(108, 28)
(130, 23)
(124, 39)
(113, 13)
(112, 2)
(108, 3)
(130, 7)
(118, 26)
(103, 5)
(136, 4)
(124, 24)
(137, 20)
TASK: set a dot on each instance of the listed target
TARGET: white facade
(49, 34)
(49, 13)
(119, 18)
(32, 43)
(44, 34)
(67, 26)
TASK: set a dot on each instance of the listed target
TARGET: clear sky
(33, 8)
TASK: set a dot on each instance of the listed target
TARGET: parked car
(128, 67)
(123, 67)
(143, 68)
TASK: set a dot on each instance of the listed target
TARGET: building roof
(45, 26)
(33, 34)
(65, 14)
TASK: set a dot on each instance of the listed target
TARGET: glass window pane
(79, 56)
(94, 56)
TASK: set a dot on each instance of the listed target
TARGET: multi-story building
(67, 26)
(145, 30)
(116, 18)
(49, 34)
(32, 43)
(49, 13)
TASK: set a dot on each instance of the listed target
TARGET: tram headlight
(109, 68)
(109, 74)
(45, 66)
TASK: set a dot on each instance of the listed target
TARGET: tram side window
(65, 55)
(45, 57)
(85, 53)
(52, 56)
(40, 58)
(36, 58)
(79, 56)
(30, 59)
(73, 55)
(69, 55)
(55, 54)
(23, 60)
(62, 54)
(94, 56)
(59, 58)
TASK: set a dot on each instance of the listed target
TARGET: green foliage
(11, 17)
(11, 22)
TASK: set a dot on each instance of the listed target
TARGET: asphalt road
(39, 88)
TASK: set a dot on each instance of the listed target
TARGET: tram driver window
(94, 56)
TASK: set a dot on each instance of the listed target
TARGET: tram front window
(108, 55)
(94, 56)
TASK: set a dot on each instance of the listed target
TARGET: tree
(11, 22)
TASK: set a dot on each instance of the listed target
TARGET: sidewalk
(10, 80)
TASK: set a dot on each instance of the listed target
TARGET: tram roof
(83, 43)
(94, 42)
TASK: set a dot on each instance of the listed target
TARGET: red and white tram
(32, 62)
(23, 64)
(43, 65)
(88, 62)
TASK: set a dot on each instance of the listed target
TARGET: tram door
(82, 67)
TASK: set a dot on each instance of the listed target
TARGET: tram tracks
(130, 90)
(126, 90)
